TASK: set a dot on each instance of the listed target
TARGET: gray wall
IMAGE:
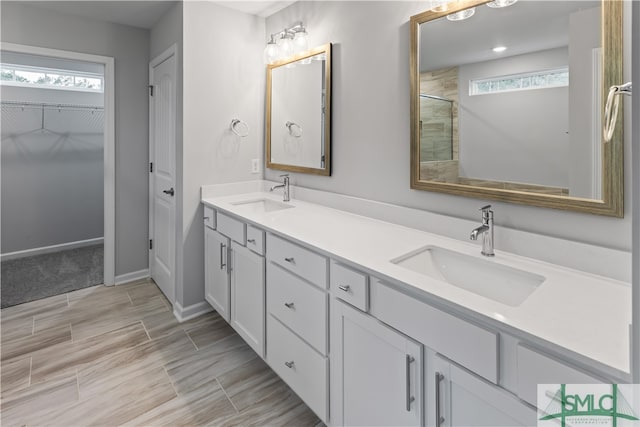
(370, 135)
(52, 179)
(224, 78)
(296, 97)
(581, 139)
(26, 24)
(519, 136)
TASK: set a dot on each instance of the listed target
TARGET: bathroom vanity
(373, 323)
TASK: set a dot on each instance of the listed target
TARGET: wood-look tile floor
(115, 356)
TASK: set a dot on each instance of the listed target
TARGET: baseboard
(50, 249)
(132, 277)
(190, 312)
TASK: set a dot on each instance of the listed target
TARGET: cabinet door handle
(206, 218)
(251, 241)
(289, 259)
(439, 418)
(410, 399)
(223, 250)
(288, 305)
(344, 288)
(289, 364)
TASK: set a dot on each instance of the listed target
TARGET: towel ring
(294, 129)
(239, 127)
(611, 109)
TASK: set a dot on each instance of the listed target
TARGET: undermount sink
(500, 283)
(262, 205)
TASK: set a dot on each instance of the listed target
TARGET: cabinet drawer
(231, 227)
(350, 285)
(303, 262)
(299, 305)
(473, 347)
(535, 368)
(255, 239)
(209, 217)
(303, 369)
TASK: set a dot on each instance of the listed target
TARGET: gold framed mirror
(298, 113)
(508, 105)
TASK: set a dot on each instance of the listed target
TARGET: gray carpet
(40, 276)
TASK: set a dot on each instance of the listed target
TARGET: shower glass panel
(436, 128)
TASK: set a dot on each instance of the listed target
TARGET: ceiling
(144, 14)
(527, 26)
(141, 14)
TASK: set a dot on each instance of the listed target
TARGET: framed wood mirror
(508, 104)
(298, 130)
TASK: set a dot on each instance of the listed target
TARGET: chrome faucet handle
(485, 208)
(284, 175)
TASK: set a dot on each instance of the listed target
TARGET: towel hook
(294, 129)
(239, 127)
(611, 108)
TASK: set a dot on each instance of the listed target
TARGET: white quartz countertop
(586, 314)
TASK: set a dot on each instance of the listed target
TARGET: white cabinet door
(216, 270)
(464, 399)
(376, 375)
(247, 296)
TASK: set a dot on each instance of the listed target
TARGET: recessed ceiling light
(499, 49)
(501, 3)
(462, 15)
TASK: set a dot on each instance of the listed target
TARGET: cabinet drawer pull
(206, 218)
(345, 288)
(410, 399)
(223, 249)
(289, 259)
(288, 305)
(439, 418)
(251, 241)
(289, 364)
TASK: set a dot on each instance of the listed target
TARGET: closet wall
(52, 169)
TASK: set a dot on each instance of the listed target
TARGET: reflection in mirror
(511, 100)
(298, 114)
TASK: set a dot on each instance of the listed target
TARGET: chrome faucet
(486, 229)
(284, 186)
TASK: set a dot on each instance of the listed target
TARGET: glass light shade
(501, 3)
(271, 52)
(285, 47)
(440, 6)
(300, 42)
(462, 15)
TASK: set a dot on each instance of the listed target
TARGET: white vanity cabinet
(235, 280)
(217, 286)
(248, 296)
(376, 372)
(461, 399)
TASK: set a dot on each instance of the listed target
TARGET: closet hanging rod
(53, 106)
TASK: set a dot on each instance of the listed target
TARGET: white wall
(224, 78)
(370, 130)
(52, 179)
(24, 23)
(519, 136)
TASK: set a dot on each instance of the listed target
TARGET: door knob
(169, 192)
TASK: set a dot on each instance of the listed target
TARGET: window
(22, 75)
(525, 81)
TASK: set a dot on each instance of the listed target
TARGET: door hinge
(150, 90)
(151, 167)
(150, 244)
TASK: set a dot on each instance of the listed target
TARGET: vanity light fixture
(440, 6)
(499, 49)
(462, 15)
(288, 42)
(501, 3)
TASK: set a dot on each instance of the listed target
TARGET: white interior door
(162, 181)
